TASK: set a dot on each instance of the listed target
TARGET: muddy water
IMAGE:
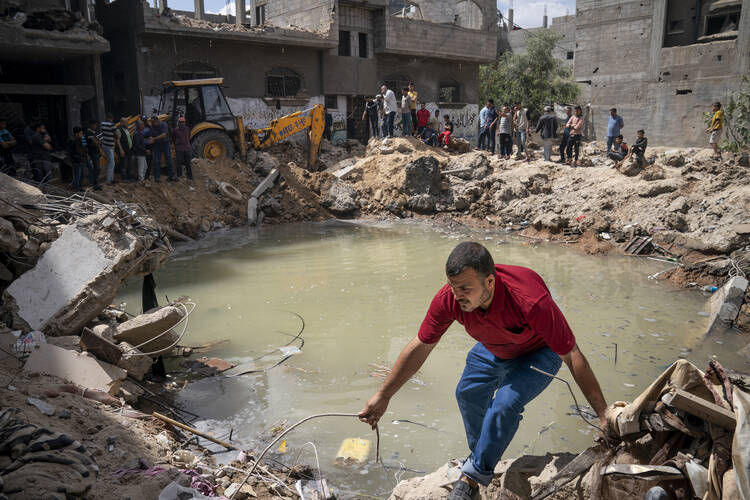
(362, 290)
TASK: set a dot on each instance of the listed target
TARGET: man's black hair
(578, 108)
(77, 129)
(470, 254)
(641, 131)
(3, 119)
(613, 109)
(491, 101)
(717, 104)
(404, 89)
(620, 137)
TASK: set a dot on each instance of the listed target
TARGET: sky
(527, 14)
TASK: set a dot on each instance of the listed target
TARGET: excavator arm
(312, 120)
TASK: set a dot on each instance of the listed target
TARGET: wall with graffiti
(465, 120)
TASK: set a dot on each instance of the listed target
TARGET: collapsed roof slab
(20, 43)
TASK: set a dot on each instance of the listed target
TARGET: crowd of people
(125, 150)
(139, 151)
(510, 126)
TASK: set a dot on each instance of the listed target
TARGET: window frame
(345, 35)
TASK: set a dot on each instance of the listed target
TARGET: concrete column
(252, 20)
(199, 9)
(98, 83)
(743, 39)
(658, 23)
(239, 14)
(510, 19)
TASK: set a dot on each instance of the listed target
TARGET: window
(722, 23)
(332, 102)
(283, 83)
(449, 93)
(569, 55)
(214, 102)
(260, 15)
(363, 45)
(345, 43)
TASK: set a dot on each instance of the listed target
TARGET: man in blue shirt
(482, 124)
(614, 126)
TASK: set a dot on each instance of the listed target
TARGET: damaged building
(282, 56)
(661, 63)
(50, 68)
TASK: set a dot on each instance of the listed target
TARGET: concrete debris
(18, 196)
(101, 347)
(134, 361)
(340, 198)
(81, 369)
(151, 331)
(725, 305)
(60, 295)
(42, 406)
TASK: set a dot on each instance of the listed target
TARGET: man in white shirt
(521, 129)
(390, 106)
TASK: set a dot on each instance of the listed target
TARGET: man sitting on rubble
(510, 312)
(639, 149)
(619, 150)
(430, 133)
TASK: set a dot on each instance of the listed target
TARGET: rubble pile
(686, 434)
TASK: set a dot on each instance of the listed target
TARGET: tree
(737, 114)
(535, 78)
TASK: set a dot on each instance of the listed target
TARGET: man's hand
(374, 409)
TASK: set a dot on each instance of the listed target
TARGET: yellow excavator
(216, 133)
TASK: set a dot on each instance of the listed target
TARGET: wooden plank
(640, 248)
(710, 412)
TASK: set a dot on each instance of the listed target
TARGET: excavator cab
(214, 131)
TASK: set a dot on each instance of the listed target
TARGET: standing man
(370, 116)
(79, 156)
(389, 107)
(413, 95)
(106, 138)
(381, 114)
(160, 147)
(483, 126)
(7, 143)
(405, 112)
(566, 134)
(614, 126)
(125, 149)
(492, 118)
(95, 153)
(547, 128)
(575, 124)
(521, 129)
(423, 118)
(510, 312)
(504, 132)
(182, 148)
(41, 161)
(139, 149)
(717, 126)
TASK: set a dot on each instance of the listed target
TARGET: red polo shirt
(521, 318)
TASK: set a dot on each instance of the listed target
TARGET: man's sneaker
(463, 491)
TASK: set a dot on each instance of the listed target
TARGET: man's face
(613, 113)
(714, 108)
(579, 112)
(470, 289)
(3, 124)
(618, 141)
(640, 135)
(569, 111)
(383, 89)
(423, 106)
(42, 129)
(123, 122)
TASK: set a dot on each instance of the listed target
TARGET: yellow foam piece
(354, 450)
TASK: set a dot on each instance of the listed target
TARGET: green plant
(737, 119)
(535, 78)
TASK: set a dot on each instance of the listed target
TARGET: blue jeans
(564, 143)
(109, 153)
(93, 166)
(389, 123)
(491, 422)
(520, 141)
(406, 124)
(162, 148)
(483, 131)
(610, 142)
(77, 174)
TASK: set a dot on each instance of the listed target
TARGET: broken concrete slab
(20, 197)
(81, 369)
(141, 329)
(60, 295)
(99, 346)
(725, 305)
(70, 342)
(134, 361)
(9, 241)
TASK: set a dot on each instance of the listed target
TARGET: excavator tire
(213, 145)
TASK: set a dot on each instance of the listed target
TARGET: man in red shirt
(511, 314)
(423, 116)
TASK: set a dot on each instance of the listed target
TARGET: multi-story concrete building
(283, 55)
(661, 63)
(50, 64)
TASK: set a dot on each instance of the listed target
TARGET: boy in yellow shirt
(413, 94)
(717, 126)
